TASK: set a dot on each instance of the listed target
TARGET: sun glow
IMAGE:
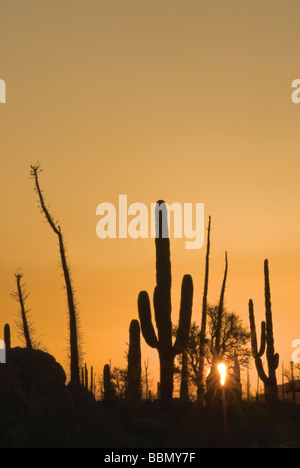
(223, 372)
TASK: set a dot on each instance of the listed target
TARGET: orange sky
(187, 101)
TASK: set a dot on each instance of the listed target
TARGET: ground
(39, 410)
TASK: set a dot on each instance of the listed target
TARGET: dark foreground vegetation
(38, 410)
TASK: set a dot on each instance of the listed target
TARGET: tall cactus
(134, 370)
(108, 396)
(267, 341)
(162, 307)
(7, 339)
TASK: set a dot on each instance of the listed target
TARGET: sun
(223, 373)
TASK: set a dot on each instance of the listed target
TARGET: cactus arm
(260, 370)
(255, 351)
(276, 361)
(270, 380)
(185, 314)
(257, 355)
(262, 339)
(146, 321)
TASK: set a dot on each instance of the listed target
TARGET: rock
(37, 409)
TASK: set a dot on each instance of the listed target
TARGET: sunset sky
(183, 100)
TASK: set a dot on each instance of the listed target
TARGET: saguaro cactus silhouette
(162, 306)
(134, 370)
(267, 341)
(7, 339)
(73, 319)
(108, 395)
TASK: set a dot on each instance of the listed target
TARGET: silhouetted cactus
(108, 395)
(267, 342)
(134, 370)
(73, 319)
(203, 341)
(92, 384)
(86, 376)
(7, 338)
(162, 306)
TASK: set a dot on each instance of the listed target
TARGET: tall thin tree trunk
(73, 325)
(201, 381)
(23, 312)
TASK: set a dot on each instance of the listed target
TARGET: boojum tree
(25, 327)
(73, 318)
(162, 341)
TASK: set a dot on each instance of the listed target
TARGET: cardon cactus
(108, 396)
(134, 370)
(162, 307)
(7, 336)
(267, 343)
